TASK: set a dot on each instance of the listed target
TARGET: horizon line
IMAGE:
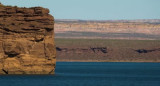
(106, 19)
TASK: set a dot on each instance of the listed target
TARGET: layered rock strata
(26, 41)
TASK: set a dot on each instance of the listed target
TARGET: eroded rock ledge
(94, 50)
(26, 41)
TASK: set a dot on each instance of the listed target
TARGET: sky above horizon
(95, 9)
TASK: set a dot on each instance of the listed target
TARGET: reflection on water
(91, 74)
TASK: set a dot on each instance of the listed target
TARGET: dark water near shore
(91, 74)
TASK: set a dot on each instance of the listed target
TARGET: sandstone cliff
(26, 41)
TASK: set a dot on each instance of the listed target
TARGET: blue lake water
(91, 74)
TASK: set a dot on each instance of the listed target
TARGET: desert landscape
(79, 43)
(108, 41)
(109, 29)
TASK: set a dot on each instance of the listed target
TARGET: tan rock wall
(26, 41)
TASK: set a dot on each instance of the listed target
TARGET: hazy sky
(95, 9)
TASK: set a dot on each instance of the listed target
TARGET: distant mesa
(147, 29)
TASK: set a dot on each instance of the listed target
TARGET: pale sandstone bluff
(26, 41)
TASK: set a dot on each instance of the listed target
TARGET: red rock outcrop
(26, 41)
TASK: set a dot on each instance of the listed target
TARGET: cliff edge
(26, 41)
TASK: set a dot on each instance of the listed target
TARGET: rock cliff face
(26, 41)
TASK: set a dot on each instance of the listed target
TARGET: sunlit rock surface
(26, 41)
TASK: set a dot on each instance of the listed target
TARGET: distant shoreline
(108, 61)
(111, 61)
(107, 50)
(115, 61)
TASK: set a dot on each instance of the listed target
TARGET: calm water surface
(91, 74)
